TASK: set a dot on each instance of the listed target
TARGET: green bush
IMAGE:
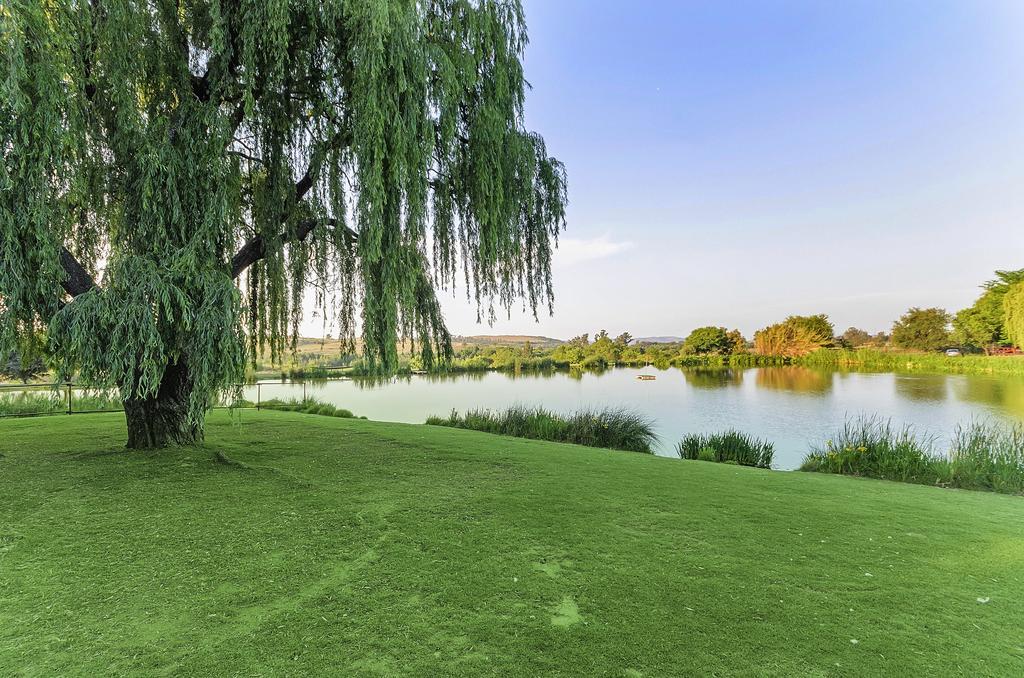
(727, 447)
(613, 428)
(706, 454)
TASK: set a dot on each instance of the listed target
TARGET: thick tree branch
(255, 248)
(303, 185)
(89, 50)
(245, 156)
(202, 85)
(78, 281)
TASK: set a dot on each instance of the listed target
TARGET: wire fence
(43, 400)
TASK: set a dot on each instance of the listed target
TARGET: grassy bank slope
(348, 547)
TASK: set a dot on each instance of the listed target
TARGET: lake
(793, 407)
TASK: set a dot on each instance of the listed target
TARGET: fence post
(303, 390)
(258, 385)
(69, 397)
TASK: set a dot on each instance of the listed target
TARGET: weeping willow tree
(796, 336)
(179, 174)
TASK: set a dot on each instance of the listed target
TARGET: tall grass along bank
(981, 456)
(49, 401)
(614, 428)
(906, 361)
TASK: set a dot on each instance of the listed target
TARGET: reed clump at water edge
(729, 447)
(611, 427)
(981, 455)
(307, 406)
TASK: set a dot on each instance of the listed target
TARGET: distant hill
(504, 340)
(658, 340)
(331, 347)
(326, 345)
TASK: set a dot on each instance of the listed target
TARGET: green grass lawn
(348, 547)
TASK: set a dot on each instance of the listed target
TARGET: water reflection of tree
(576, 372)
(922, 388)
(796, 379)
(712, 377)
(1004, 393)
(530, 374)
(368, 383)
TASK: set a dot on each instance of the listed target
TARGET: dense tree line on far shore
(995, 320)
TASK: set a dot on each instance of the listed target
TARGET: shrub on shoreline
(727, 447)
(613, 428)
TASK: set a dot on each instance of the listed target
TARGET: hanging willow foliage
(179, 173)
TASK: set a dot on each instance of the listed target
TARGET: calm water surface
(793, 407)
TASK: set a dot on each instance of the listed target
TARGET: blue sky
(731, 163)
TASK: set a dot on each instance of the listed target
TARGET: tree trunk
(163, 420)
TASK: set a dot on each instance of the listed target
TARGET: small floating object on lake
(646, 377)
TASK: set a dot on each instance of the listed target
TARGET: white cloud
(572, 251)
